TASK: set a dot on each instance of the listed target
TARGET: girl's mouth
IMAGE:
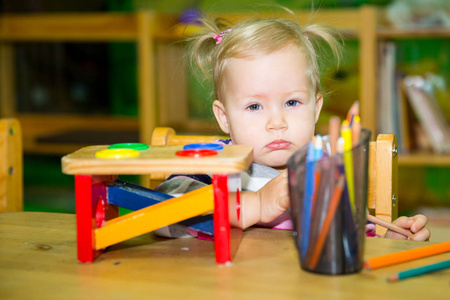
(278, 145)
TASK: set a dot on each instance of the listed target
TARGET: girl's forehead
(285, 68)
(277, 73)
(283, 60)
(255, 53)
(290, 55)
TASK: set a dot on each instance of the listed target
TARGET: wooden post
(146, 76)
(368, 68)
(7, 80)
(11, 166)
(386, 182)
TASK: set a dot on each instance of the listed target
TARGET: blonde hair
(258, 37)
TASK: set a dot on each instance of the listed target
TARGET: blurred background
(56, 81)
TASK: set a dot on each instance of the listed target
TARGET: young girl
(268, 95)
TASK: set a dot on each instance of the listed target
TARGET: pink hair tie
(220, 36)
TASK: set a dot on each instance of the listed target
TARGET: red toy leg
(92, 211)
(226, 239)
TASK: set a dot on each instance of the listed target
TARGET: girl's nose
(276, 121)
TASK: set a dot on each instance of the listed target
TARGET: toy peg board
(158, 159)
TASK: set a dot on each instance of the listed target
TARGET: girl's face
(269, 105)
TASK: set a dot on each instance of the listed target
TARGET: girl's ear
(221, 116)
(319, 103)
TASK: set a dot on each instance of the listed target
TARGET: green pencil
(420, 271)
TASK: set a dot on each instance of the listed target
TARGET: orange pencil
(317, 177)
(335, 199)
(390, 226)
(407, 255)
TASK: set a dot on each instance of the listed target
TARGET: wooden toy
(98, 223)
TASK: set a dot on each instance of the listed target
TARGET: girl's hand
(274, 197)
(415, 224)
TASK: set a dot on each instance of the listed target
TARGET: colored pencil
(335, 199)
(390, 226)
(318, 152)
(333, 132)
(419, 271)
(318, 214)
(340, 145)
(317, 176)
(349, 234)
(356, 130)
(353, 111)
(346, 133)
(407, 255)
(318, 147)
(308, 196)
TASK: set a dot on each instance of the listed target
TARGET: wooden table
(38, 261)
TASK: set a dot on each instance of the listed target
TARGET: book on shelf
(406, 109)
(428, 113)
(390, 106)
(385, 80)
(404, 117)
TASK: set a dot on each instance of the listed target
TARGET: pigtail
(202, 48)
(318, 36)
(319, 32)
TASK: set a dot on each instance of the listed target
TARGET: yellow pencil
(346, 134)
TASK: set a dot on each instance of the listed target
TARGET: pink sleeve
(283, 222)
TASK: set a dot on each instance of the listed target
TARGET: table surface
(158, 159)
(38, 261)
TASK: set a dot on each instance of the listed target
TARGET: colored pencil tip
(335, 118)
(318, 142)
(392, 278)
(340, 145)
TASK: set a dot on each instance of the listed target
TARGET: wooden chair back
(11, 166)
(382, 179)
(382, 198)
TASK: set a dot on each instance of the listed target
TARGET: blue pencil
(307, 197)
(420, 271)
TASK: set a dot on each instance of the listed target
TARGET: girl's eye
(292, 103)
(254, 107)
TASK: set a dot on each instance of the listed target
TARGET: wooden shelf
(47, 134)
(425, 33)
(424, 160)
(84, 27)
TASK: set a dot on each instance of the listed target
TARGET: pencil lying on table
(388, 225)
(407, 255)
(420, 271)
